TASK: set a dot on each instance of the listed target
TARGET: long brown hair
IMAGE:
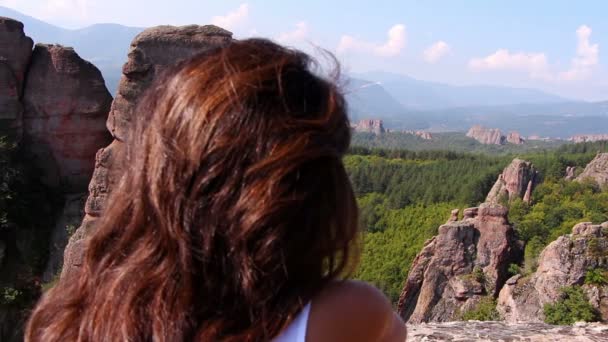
(235, 209)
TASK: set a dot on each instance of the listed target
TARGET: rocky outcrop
(501, 331)
(515, 138)
(15, 53)
(151, 52)
(564, 262)
(517, 180)
(488, 136)
(464, 263)
(596, 170)
(53, 104)
(370, 126)
(588, 138)
(66, 105)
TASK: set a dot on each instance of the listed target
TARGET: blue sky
(554, 45)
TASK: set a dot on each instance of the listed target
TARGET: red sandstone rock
(588, 138)
(15, 52)
(442, 280)
(66, 103)
(151, 52)
(516, 181)
(515, 138)
(596, 170)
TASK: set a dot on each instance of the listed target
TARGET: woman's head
(234, 210)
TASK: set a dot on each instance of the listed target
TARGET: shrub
(573, 307)
(596, 276)
(485, 310)
(9, 295)
(478, 274)
(514, 269)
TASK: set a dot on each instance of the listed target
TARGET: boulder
(152, 52)
(570, 173)
(517, 180)
(564, 262)
(596, 170)
(466, 261)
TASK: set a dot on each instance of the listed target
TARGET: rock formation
(506, 332)
(564, 262)
(588, 138)
(151, 52)
(515, 138)
(370, 126)
(54, 105)
(15, 53)
(465, 262)
(488, 136)
(596, 170)
(516, 181)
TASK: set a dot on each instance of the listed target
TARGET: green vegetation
(573, 307)
(597, 277)
(404, 196)
(452, 141)
(485, 310)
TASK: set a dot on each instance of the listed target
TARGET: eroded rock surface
(15, 53)
(66, 105)
(151, 52)
(465, 262)
(506, 332)
(564, 262)
(588, 138)
(596, 170)
(517, 180)
(515, 138)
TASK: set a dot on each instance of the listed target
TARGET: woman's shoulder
(353, 311)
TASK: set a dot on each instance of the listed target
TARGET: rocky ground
(500, 331)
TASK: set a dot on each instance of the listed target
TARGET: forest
(404, 196)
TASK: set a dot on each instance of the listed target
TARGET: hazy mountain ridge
(402, 102)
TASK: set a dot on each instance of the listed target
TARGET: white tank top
(296, 330)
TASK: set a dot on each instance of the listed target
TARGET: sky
(552, 45)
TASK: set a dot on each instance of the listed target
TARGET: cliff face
(464, 263)
(563, 262)
(15, 53)
(515, 138)
(151, 52)
(597, 170)
(518, 180)
(53, 104)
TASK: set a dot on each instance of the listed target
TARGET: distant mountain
(105, 45)
(424, 95)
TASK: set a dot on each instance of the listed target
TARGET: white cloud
(300, 33)
(587, 56)
(436, 51)
(534, 63)
(232, 19)
(392, 47)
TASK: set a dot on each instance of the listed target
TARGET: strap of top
(296, 331)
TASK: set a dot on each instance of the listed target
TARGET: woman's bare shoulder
(353, 311)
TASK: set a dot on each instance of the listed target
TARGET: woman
(235, 219)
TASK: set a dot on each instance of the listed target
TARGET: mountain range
(401, 101)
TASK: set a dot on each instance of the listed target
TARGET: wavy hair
(234, 210)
